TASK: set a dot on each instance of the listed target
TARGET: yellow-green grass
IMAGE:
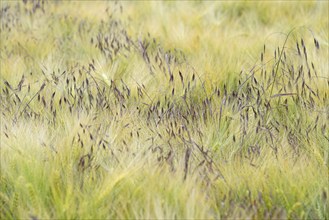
(202, 110)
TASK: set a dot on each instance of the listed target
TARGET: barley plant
(164, 110)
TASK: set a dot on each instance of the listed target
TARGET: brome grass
(166, 110)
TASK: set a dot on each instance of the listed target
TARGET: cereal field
(164, 110)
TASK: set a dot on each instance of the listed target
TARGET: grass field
(164, 110)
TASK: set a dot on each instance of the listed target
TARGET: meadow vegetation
(166, 110)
